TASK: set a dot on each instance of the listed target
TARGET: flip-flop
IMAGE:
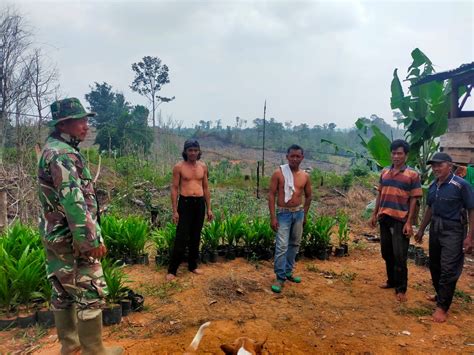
(295, 279)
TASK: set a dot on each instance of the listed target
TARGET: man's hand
(304, 220)
(467, 244)
(373, 221)
(419, 236)
(175, 217)
(274, 224)
(210, 215)
(98, 253)
(408, 229)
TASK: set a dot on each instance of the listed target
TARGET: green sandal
(295, 279)
(277, 286)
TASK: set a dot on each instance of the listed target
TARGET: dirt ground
(337, 308)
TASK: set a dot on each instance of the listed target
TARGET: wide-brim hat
(67, 109)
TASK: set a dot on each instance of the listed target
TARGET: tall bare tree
(43, 80)
(14, 42)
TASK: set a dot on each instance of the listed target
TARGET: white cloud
(314, 61)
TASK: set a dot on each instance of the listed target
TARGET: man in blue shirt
(448, 195)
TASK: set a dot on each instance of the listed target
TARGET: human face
(398, 157)
(441, 170)
(295, 157)
(193, 154)
(75, 128)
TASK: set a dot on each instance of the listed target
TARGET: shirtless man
(290, 216)
(190, 179)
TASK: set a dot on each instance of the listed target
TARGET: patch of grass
(462, 296)
(347, 277)
(163, 291)
(360, 245)
(421, 311)
(312, 268)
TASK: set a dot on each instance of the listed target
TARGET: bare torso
(300, 180)
(191, 177)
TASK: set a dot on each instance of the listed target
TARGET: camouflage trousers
(75, 280)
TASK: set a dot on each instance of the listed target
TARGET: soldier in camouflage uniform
(71, 234)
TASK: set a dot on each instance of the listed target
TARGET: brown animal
(192, 348)
(243, 346)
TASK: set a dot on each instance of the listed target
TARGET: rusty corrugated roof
(464, 69)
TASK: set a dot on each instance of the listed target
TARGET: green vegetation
(342, 228)
(125, 237)
(115, 279)
(22, 270)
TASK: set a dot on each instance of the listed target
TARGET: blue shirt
(447, 200)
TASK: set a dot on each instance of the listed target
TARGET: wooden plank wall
(459, 140)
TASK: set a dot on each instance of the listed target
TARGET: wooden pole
(3, 210)
(258, 179)
(454, 100)
(263, 145)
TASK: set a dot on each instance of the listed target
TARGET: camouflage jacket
(66, 194)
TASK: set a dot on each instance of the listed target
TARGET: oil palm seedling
(210, 238)
(320, 231)
(136, 232)
(342, 234)
(111, 228)
(234, 228)
(115, 279)
(265, 237)
(163, 239)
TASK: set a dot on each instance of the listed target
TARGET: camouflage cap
(66, 109)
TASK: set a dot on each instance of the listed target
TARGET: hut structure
(458, 141)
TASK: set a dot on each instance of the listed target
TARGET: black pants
(394, 246)
(446, 258)
(191, 212)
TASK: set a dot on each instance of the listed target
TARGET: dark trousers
(446, 258)
(191, 212)
(394, 247)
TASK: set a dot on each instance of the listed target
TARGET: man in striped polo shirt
(395, 207)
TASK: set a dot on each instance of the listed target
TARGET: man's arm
(467, 245)
(424, 223)
(308, 195)
(81, 222)
(408, 227)
(207, 194)
(174, 192)
(271, 200)
(373, 220)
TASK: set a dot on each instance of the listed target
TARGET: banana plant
(424, 110)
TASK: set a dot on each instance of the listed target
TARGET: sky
(313, 62)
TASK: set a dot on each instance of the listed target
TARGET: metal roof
(449, 74)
